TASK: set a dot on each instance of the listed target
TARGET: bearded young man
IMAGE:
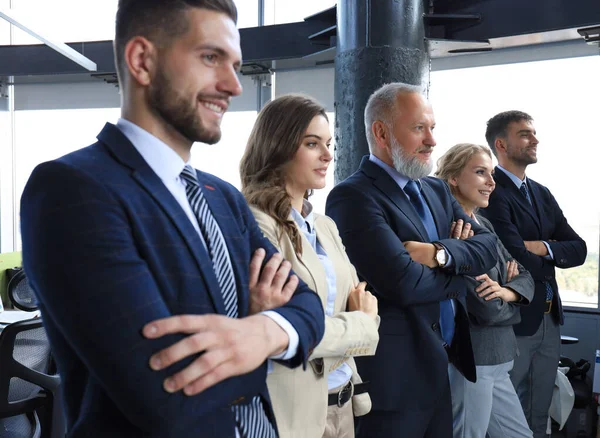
(532, 227)
(148, 271)
(396, 224)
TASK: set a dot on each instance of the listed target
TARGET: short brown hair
(160, 21)
(497, 125)
(452, 163)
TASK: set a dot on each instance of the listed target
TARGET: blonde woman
(491, 404)
(287, 157)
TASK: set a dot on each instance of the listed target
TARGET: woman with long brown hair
(286, 158)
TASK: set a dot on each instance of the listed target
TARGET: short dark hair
(160, 21)
(497, 125)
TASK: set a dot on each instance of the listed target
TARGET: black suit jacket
(108, 249)
(515, 220)
(374, 217)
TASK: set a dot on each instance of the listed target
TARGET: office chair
(20, 293)
(26, 383)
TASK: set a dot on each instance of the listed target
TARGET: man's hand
(490, 289)
(363, 300)
(537, 247)
(422, 252)
(231, 347)
(460, 230)
(270, 288)
(512, 270)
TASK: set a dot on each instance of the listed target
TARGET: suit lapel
(221, 211)
(536, 196)
(510, 187)
(126, 153)
(389, 188)
(437, 211)
(327, 241)
(313, 265)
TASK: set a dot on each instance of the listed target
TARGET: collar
(400, 179)
(514, 178)
(306, 219)
(163, 160)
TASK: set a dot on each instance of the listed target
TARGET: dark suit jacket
(492, 321)
(409, 369)
(515, 220)
(108, 249)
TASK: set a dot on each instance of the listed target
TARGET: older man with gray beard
(411, 241)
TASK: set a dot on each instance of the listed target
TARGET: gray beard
(408, 166)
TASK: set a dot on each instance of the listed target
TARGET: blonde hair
(452, 163)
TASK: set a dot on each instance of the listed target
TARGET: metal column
(378, 41)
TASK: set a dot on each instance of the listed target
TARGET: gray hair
(382, 103)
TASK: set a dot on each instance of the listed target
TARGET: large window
(77, 20)
(288, 11)
(67, 20)
(562, 98)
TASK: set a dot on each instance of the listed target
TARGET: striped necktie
(547, 285)
(251, 419)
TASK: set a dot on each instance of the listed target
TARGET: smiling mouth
(213, 107)
(321, 171)
(485, 192)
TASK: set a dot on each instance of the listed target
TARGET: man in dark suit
(139, 261)
(396, 224)
(531, 225)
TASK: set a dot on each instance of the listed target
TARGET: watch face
(440, 256)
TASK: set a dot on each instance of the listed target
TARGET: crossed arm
(382, 260)
(110, 294)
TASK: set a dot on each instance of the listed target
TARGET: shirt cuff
(291, 332)
(550, 256)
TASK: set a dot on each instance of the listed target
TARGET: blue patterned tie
(413, 191)
(251, 419)
(548, 286)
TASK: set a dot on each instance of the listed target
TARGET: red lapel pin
(209, 187)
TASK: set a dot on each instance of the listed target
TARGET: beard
(519, 157)
(180, 113)
(411, 167)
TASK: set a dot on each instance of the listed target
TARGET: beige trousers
(340, 421)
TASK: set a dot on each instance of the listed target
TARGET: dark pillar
(378, 41)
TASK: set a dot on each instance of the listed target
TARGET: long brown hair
(273, 143)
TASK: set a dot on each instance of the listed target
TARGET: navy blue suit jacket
(515, 220)
(374, 217)
(108, 249)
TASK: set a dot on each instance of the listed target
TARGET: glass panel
(67, 20)
(289, 11)
(4, 25)
(565, 120)
(76, 20)
(223, 159)
(64, 131)
(247, 13)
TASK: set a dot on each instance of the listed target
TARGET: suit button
(548, 277)
(435, 326)
(563, 260)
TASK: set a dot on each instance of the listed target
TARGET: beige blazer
(300, 396)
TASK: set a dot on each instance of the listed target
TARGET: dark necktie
(548, 286)
(251, 419)
(413, 191)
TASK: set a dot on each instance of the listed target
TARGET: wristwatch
(441, 256)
